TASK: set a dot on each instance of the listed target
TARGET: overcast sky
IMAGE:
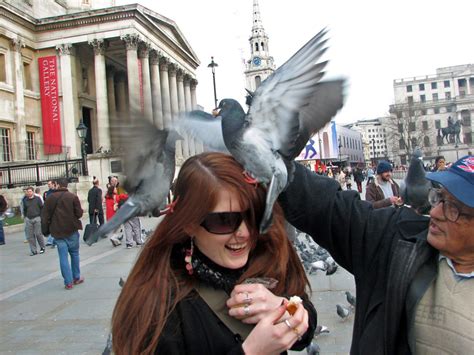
(372, 42)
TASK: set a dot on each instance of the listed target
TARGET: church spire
(257, 22)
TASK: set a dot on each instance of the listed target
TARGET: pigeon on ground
(332, 266)
(313, 349)
(415, 188)
(149, 164)
(350, 299)
(320, 329)
(121, 282)
(343, 312)
(287, 108)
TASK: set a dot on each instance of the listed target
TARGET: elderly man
(414, 275)
(383, 191)
(32, 206)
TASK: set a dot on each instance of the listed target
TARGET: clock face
(257, 61)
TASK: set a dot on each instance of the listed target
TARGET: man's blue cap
(458, 179)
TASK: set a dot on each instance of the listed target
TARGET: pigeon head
(230, 108)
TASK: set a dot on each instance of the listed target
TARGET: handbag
(90, 236)
(45, 227)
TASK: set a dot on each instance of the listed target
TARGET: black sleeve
(337, 220)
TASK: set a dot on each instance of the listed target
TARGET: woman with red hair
(206, 282)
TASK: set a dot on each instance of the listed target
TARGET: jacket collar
(412, 225)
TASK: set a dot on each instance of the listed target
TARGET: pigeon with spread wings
(149, 165)
(285, 111)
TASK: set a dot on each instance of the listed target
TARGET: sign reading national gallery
(48, 75)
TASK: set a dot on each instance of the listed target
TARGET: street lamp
(340, 146)
(213, 65)
(373, 149)
(82, 133)
(320, 148)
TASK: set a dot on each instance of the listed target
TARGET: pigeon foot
(249, 179)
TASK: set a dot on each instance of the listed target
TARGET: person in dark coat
(414, 274)
(206, 282)
(94, 198)
(358, 178)
(3, 208)
(383, 191)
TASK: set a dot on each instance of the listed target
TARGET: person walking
(51, 187)
(32, 206)
(3, 208)
(94, 198)
(61, 217)
(111, 206)
(358, 178)
(370, 175)
(383, 191)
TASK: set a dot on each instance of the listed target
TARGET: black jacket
(385, 249)
(62, 212)
(94, 198)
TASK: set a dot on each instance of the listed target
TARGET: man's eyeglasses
(451, 210)
(224, 222)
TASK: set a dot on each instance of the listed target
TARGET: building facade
(351, 148)
(63, 62)
(374, 139)
(426, 105)
(260, 65)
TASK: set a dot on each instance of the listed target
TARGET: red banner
(48, 75)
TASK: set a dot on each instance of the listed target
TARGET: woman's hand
(273, 337)
(251, 302)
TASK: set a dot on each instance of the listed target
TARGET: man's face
(386, 176)
(114, 181)
(29, 193)
(453, 239)
(51, 185)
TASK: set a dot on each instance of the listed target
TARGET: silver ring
(288, 324)
(246, 310)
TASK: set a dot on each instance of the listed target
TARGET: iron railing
(39, 173)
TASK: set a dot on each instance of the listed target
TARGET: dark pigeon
(286, 110)
(343, 312)
(415, 188)
(350, 299)
(313, 349)
(321, 329)
(149, 164)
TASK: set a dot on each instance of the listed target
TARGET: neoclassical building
(63, 61)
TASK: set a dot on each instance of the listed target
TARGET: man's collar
(451, 265)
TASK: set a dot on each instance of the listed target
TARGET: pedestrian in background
(61, 216)
(370, 175)
(440, 164)
(51, 187)
(94, 198)
(3, 208)
(32, 206)
(111, 206)
(358, 178)
(132, 228)
(383, 191)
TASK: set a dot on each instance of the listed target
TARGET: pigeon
(415, 188)
(320, 265)
(287, 108)
(313, 349)
(320, 329)
(332, 266)
(149, 165)
(350, 299)
(121, 282)
(342, 312)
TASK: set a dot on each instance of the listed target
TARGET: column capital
(17, 44)
(65, 49)
(180, 74)
(99, 46)
(143, 49)
(155, 56)
(194, 83)
(164, 63)
(131, 41)
(187, 79)
(172, 69)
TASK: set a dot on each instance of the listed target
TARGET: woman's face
(441, 164)
(227, 250)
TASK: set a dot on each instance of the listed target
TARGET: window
(400, 128)
(439, 140)
(426, 141)
(414, 143)
(447, 84)
(467, 138)
(423, 112)
(422, 98)
(447, 95)
(438, 124)
(435, 97)
(449, 108)
(425, 125)
(412, 127)
(30, 146)
(434, 85)
(466, 121)
(5, 145)
(421, 87)
(263, 47)
(401, 144)
(399, 113)
(409, 88)
(3, 72)
(436, 110)
(27, 76)
(410, 100)
(256, 47)
(258, 81)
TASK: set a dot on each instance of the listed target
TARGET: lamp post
(213, 65)
(82, 133)
(320, 148)
(373, 149)
(340, 146)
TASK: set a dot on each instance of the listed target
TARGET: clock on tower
(257, 61)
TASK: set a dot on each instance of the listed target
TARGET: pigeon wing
(205, 127)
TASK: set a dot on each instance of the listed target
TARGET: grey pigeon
(313, 349)
(415, 188)
(320, 265)
(343, 312)
(149, 165)
(320, 329)
(286, 110)
(121, 282)
(332, 268)
(350, 299)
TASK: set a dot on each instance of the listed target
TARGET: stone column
(182, 109)
(143, 52)
(121, 92)
(194, 82)
(172, 68)
(102, 102)
(131, 43)
(165, 92)
(20, 119)
(156, 89)
(70, 113)
(111, 92)
(188, 106)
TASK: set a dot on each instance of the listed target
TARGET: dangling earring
(188, 257)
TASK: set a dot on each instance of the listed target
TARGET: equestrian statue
(452, 132)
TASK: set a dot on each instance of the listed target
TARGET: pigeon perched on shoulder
(149, 165)
(350, 299)
(286, 110)
(343, 312)
(415, 188)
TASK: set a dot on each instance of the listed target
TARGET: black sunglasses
(224, 222)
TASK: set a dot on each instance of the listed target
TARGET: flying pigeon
(149, 165)
(350, 299)
(313, 349)
(285, 111)
(343, 312)
(415, 188)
